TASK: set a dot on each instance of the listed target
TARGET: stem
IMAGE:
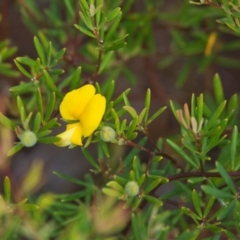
(200, 174)
(100, 52)
(146, 132)
(135, 145)
(209, 2)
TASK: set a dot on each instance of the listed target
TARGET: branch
(200, 174)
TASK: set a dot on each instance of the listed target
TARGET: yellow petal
(92, 114)
(72, 135)
(75, 102)
(76, 138)
(65, 138)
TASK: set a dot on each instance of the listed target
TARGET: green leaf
(114, 26)
(233, 147)
(51, 85)
(183, 74)
(86, 18)
(26, 61)
(106, 61)
(132, 176)
(15, 149)
(48, 140)
(230, 235)
(190, 213)
(218, 89)
(196, 202)
(136, 168)
(7, 189)
(142, 115)
(187, 234)
(22, 70)
(122, 181)
(49, 125)
(136, 227)
(5, 69)
(30, 207)
(49, 53)
(23, 87)
(43, 133)
(131, 111)
(76, 196)
(132, 128)
(36, 68)
(56, 71)
(69, 8)
(50, 106)
(105, 148)
(115, 46)
(208, 207)
(141, 179)
(225, 211)
(232, 105)
(110, 91)
(85, 31)
(212, 191)
(116, 186)
(37, 122)
(226, 177)
(182, 153)
(39, 49)
(120, 98)
(39, 101)
(153, 200)
(76, 79)
(111, 192)
(73, 180)
(113, 14)
(98, 10)
(152, 186)
(57, 57)
(155, 115)
(21, 109)
(147, 103)
(199, 108)
(7, 122)
(136, 202)
(90, 159)
(214, 117)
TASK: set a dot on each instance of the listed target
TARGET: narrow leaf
(7, 189)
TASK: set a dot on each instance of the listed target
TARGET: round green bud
(132, 189)
(28, 138)
(107, 134)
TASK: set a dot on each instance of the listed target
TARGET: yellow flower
(86, 108)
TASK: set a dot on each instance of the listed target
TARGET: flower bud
(132, 189)
(28, 138)
(107, 134)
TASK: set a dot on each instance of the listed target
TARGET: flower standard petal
(75, 102)
(92, 115)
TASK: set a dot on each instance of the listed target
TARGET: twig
(200, 174)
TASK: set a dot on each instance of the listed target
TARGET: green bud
(28, 139)
(107, 134)
(132, 189)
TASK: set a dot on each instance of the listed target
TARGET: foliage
(150, 192)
